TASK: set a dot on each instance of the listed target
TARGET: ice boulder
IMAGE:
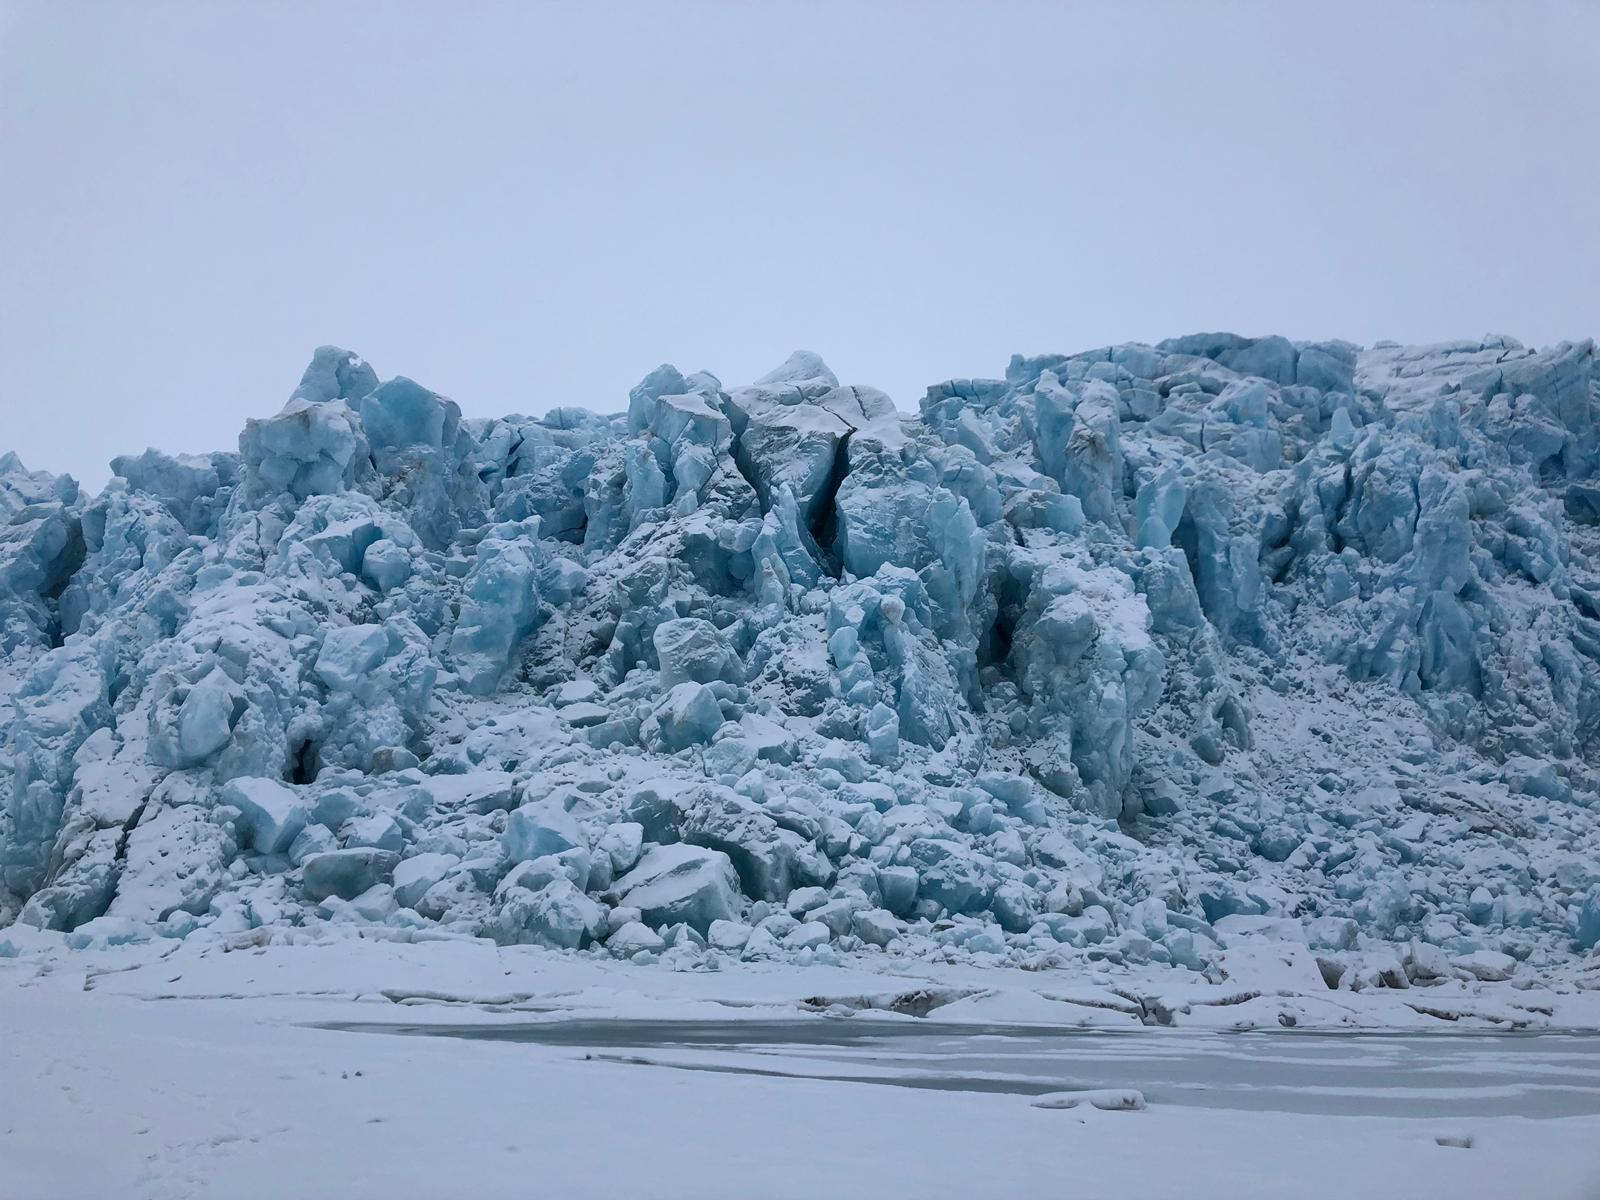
(558, 916)
(335, 374)
(500, 605)
(424, 460)
(692, 650)
(682, 883)
(42, 544)
(771, 860)
(206, 717)
(175, 860)
(687, 715)
(346, 873)
(349, 654)
(794, 425)
(308, 449)
(875, 926)
(539, 828)
(1589, 920)
(414, 876)
(192, 486)
(634, 937)
(951, 875)
(271, 813)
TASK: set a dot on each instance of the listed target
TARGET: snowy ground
(210, 1073)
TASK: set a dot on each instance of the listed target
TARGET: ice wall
(1085, 659)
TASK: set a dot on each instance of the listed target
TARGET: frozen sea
(1534, 1075)
(446, 1070)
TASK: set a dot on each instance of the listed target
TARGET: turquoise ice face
(1108, 657)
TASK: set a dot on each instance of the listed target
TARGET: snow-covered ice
(1125, 658)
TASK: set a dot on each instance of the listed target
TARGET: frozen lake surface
(373, 1071)
(1539, 1075)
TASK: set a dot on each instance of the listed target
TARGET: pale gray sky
(522, 206)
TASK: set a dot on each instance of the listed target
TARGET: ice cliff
(1100, 660)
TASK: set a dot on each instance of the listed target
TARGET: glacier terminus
(1110, 662)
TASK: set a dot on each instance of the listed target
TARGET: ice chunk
(694, 650)
(770, 860)
(575, 866)
(634, 937)
(687, 714)
(500, 605)
(176, 860)
(188, 484)
(807, 936)
(346, 873)
(378, 830)
(951, 875)
(875, 926)
(313, 839)
(271, 813)
(1486, 965)
(558, 916)
(335, 374)
(540, 828)
(308, 449)
(1589, 920)
(729, 936)
(682, 883)
(898, 886)
(622, 842)
(414, 876)
(348, 655)
(206, 717)
(1109, 1099)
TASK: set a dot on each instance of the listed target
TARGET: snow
(242, 1067)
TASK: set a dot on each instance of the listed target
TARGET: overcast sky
(524, 206)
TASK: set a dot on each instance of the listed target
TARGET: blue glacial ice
(1105, 661)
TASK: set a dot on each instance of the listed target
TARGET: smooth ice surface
(1148, 657)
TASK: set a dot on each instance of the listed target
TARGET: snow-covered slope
(1115, 658)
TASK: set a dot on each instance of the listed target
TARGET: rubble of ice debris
(1116, 660)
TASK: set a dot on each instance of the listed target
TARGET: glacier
(1114, 659)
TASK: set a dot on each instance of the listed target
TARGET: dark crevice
(115, 686)
(303, 763)
(575, 535)
(66, 566)
(119, 858)
(511, 471)
(741, 460)
(1335, 538)
(1187, 538)
(128, 827)
(1277, 553)
(822, 515)
(994, 650)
